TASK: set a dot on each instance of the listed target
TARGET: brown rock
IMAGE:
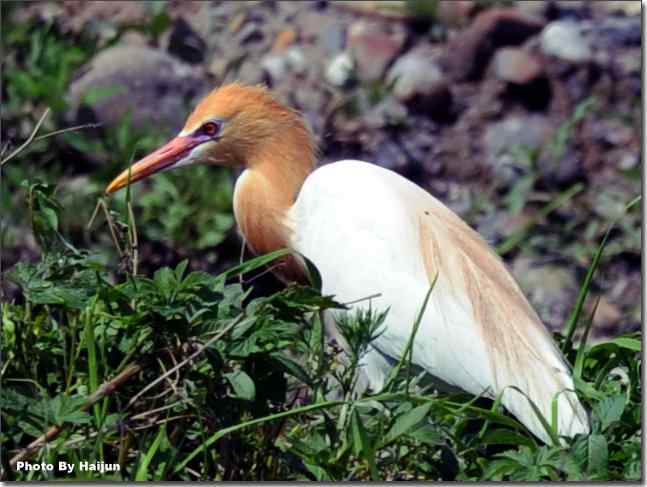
(455, 12)
(516, 66)
(469, 53)
(373, 49)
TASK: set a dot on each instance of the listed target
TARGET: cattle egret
(370, 231)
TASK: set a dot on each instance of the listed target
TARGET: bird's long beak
(163, 158)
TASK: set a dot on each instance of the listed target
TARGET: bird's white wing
(370, 231)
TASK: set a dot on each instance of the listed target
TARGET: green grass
(182, 376)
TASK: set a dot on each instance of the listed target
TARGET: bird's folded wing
(369, 230)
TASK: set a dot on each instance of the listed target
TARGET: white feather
(369, 230)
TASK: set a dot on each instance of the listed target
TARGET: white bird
(370, 231)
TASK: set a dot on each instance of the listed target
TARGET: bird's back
(370, 231)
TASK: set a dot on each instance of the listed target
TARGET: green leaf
(361, 443)
(598, 455)
(142, 470)
(242, 384)
(609, 410)
(292, 368)
(405, 422)
(628, 343)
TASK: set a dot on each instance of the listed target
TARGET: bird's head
(235, 125)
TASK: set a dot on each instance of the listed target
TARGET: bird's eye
(211, 128)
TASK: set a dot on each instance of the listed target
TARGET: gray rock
(419, 82)
(563, 39)
(333, 38)
(339, 71)
(500, 139)
(388, 112)
(552, 289)
(148, 83)
(296, 60)
(413, 74)
(277, 65)
(516, 66)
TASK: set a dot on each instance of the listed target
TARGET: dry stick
(185, 361)
(105, 389)
(132, 236)
(111, 226)
(29, 140)
(74, 128)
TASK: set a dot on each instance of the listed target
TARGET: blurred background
(523, 117)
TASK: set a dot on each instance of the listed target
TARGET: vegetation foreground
(184, 376)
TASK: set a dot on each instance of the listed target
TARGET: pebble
(275, 65)
(339, 71)
(414, 74)
(515, 65)
(563, 39)
(419, 82)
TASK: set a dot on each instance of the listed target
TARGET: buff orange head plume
(234, 125)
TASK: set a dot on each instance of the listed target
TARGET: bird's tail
(550, 390)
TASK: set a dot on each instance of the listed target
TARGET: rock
(296, 60)
(552, 289)
(454, 12)
(628, 161)
(118, 13)
(134, 38)
(185, 43)
(278, 65)
(339, 71)
(148, 83)
(500, 138)
(388, 9)
(606, 315)
(516, 66)
(275, 65)
(387, 112)
(613, 32)
(414, 74)
(627, 7)
(332, 38)
(251, 72)
(531, 8)
(250, 32)
(372, 49)
(563, 39)
(468, 54)
(418, 81)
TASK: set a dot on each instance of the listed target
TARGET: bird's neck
(266, 191)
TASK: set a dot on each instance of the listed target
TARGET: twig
(68, 129)
(185, 361)
(111, 226)
(367, 298)
(132, 236)
(29, 140)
